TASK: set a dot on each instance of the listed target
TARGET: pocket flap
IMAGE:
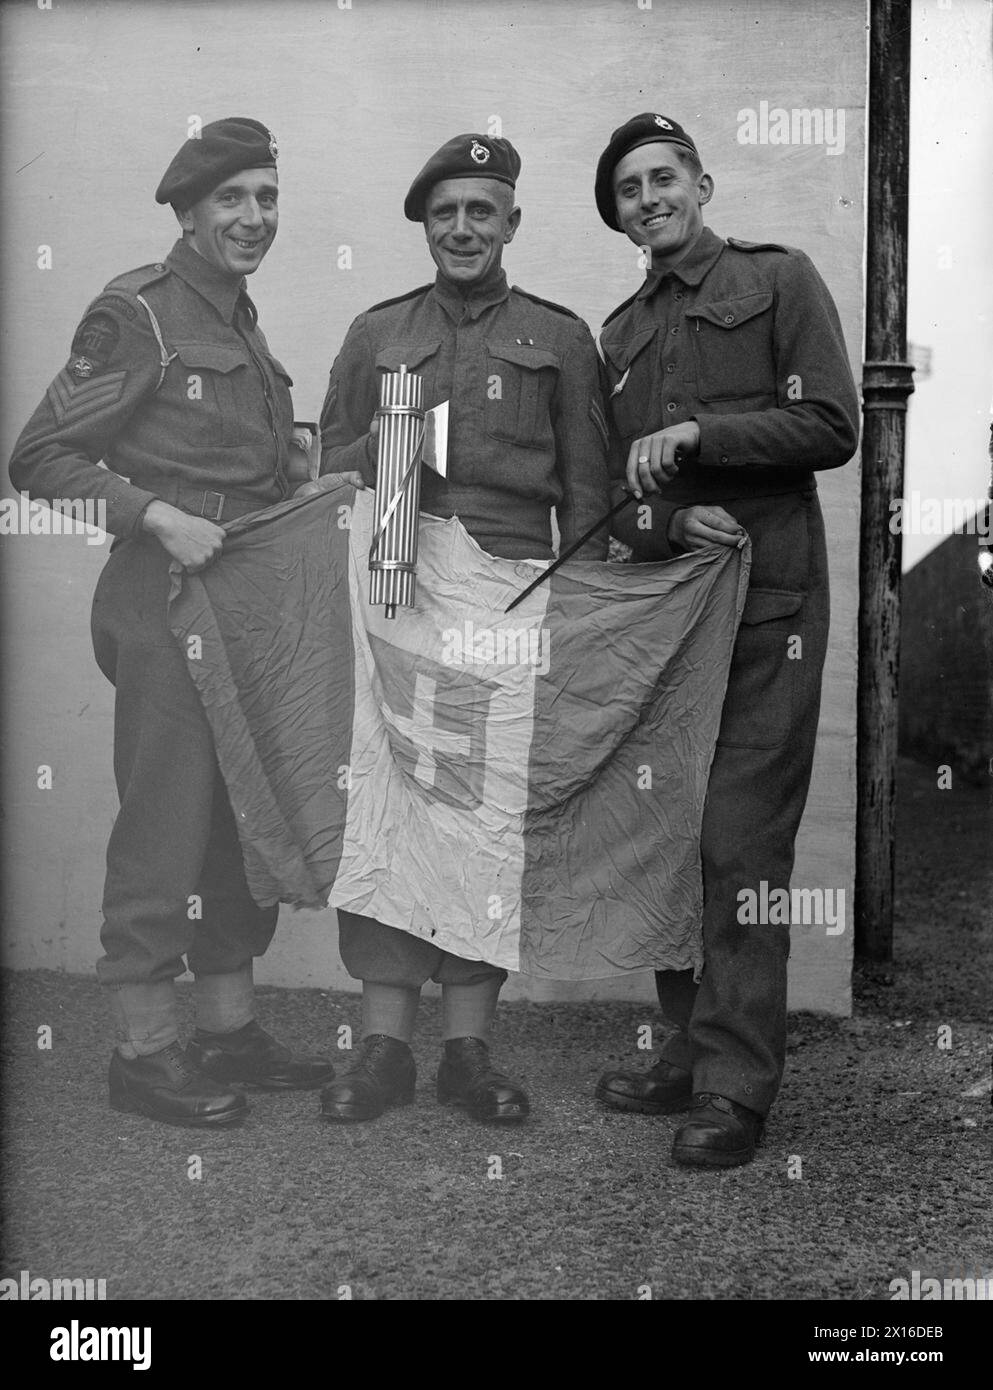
(623, 354)
(729, 313)
(763, 605)
(409, 355)
(214, 356)
(523, 356)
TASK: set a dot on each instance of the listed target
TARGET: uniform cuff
(716, 446)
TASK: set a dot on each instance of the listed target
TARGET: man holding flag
(171, 383)
(526, 436)
(730, 385)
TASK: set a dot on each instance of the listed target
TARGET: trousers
(175, 883)
(731, 1027)
(377, 954)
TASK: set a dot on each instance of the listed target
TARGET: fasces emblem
(478, 153)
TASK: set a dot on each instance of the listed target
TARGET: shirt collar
(219, 290)
(455, 303)
(692, 268)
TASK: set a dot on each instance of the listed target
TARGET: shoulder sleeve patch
(398, 299)
(545, 303)
(94, 343)
(756, 245)
(114, 303)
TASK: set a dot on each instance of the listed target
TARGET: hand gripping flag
(525, 788)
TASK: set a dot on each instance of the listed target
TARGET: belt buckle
(217, 510)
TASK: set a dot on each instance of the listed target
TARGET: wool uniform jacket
(526, 427)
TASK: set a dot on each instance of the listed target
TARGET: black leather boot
(657, 1091)
(165, 1086)
(719, 1133)
(384, 1074)
(466, 1077)
(253, 1057)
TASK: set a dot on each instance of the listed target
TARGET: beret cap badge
(223, 148)
(467, 156)
(643, 129)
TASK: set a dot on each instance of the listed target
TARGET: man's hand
(654, 459)
(327, 481)
(694, 528)
(192, 540)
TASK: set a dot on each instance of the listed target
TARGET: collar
(692, 268)
(219, 290)
(455, 303)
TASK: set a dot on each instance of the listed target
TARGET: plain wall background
(96, 100)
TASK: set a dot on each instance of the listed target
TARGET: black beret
(222, 148)
(463, 157)
(647, 129)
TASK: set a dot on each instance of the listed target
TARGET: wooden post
(886, 384)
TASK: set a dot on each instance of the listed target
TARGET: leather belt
(215, 506)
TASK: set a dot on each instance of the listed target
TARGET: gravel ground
(892, 1134)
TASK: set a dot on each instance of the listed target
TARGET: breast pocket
(212, 383)
(421, 358)
(520, 384)
(284, 401)
(759, 704)
(732, 347)
(635, 404)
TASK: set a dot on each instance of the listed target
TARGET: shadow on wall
(946, 657)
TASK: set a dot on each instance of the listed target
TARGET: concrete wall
(946, 658)
(96, 99)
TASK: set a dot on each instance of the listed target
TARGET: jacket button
(675, 330)
(729, 318)
(724, 458)
(678, 295)
(671, 406)
(670, 366)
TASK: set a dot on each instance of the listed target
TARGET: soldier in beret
(526, 437)
(170, 382)
(730, 387)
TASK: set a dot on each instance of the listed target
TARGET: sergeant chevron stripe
(73, 400)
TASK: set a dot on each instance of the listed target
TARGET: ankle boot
(384, 1074)
(467, 1078)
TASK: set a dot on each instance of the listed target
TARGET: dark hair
(689, 161)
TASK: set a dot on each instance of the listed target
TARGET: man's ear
(706, 188)
(185, 218)
(513, 222)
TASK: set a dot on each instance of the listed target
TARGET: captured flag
(524, 788)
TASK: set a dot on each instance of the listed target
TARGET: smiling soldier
(730, 386)
(526, 436)
(171, 383)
